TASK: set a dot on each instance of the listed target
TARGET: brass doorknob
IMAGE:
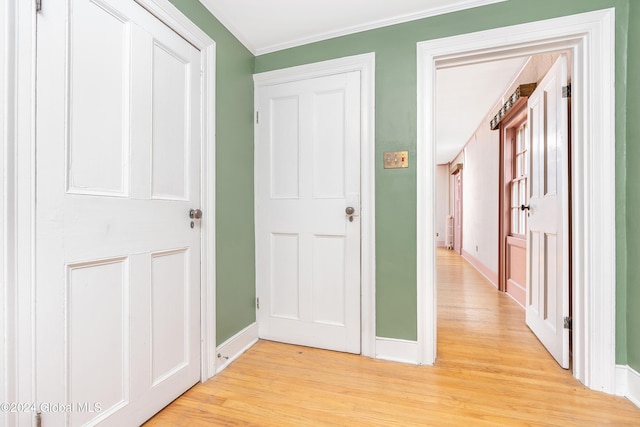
(195, 214)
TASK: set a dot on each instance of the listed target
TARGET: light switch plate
(396, 159)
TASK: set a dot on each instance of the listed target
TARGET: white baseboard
(633, 386)
(621, 380)
(232, 348)
(397, 350)
(628, 383)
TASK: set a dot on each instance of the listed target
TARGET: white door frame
(17, 62)
(590, 37)
(364, 63)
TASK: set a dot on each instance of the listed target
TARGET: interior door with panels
(117, 256)
(307, 212)
(548, 261)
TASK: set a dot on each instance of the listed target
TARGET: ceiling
(464, 94)
(265, 26)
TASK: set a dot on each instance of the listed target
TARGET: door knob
(195, 214)
(525, 207)
(350, 211)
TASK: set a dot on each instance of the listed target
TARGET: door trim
(590, 37)
(18, 71)
(364, 63)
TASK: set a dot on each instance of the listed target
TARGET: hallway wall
(395, 49)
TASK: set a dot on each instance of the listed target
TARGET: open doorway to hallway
(590, 37)
(515, 157)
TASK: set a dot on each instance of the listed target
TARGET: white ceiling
(464, 94)
(269, 25)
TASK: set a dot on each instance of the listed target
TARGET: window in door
(519, 181)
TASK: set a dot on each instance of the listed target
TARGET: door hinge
(568, 322)
(257, 117)
(38, 419)
(38, 5)
(566, 91)
(258, 303)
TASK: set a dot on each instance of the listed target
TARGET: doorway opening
(497, 199)
(589, 37)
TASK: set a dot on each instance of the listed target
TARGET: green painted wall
(633, 188)
(235, 261)
(396, 129)
(395, 49)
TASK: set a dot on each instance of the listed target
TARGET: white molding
(229, 23)
(174, 19)
(208, 264)
(397, 350)
(365, 64)
(621, 380)
(18, 195)
(628, 383)
(633, 386)
(7, 79)
(590, 37)
(233, 348)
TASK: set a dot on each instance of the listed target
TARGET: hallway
(490, 371)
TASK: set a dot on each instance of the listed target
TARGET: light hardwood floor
(490, 371)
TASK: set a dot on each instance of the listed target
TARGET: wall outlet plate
(396, 159)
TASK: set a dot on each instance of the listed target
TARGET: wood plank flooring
(490, 371)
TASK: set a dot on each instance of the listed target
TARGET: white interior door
(547, 301)
(307, 246)
(117, 258)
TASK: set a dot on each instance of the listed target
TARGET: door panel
(547, 301)
(285, 274)
(98, 121)
(118, 168)
(307, 174)
(284, 153)
(101, 340)
(169, 313)
(328, 282)
(170, 147)
(515, 268)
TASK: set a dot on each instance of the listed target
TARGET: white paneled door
(117, 256)
(547, 300)
(308, 212)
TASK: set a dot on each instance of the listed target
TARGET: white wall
(480, 197)
(442, 203)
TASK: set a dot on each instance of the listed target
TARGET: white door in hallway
(547, 300)
(118, 170)
(307, 244)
